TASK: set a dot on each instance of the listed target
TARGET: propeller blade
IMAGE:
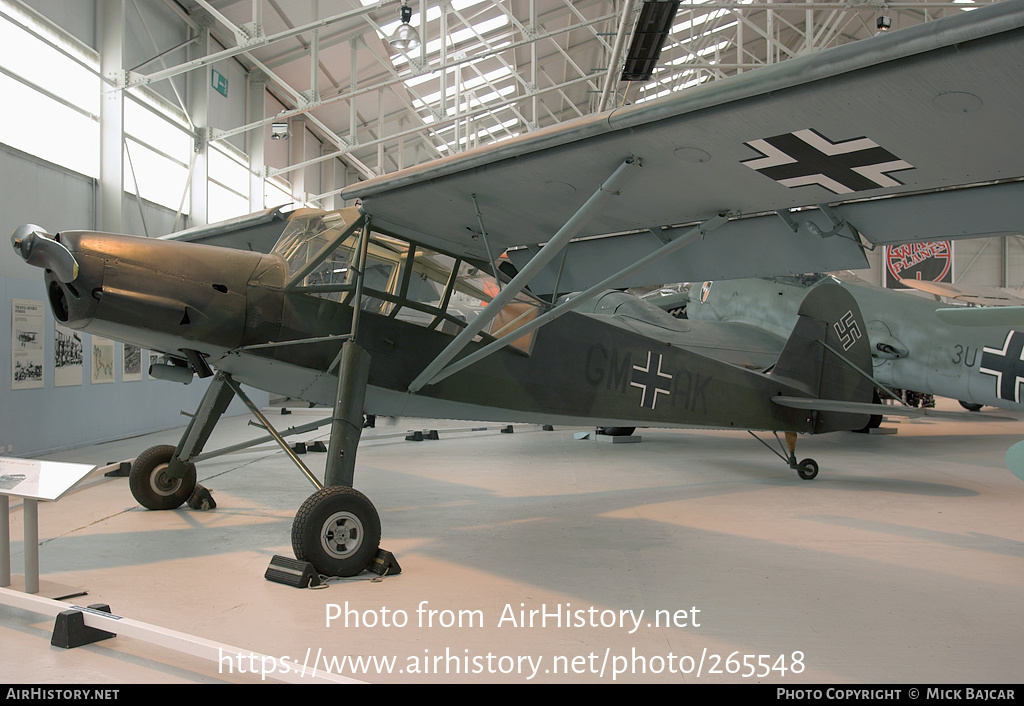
(38, 248)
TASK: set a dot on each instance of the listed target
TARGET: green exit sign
(220, 82)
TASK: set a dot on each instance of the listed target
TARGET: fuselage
(275, 322)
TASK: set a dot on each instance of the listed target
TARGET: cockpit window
(402, 280)
(304, 240)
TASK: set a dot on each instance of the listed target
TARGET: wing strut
(695, 233)
(487, 245)
(547, 253)
(860, 372)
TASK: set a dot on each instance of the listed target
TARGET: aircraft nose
(40, 249)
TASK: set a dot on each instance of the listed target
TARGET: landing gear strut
(806, 469)
(163, 477)
(336, 529)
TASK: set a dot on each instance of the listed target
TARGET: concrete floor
(903, 562)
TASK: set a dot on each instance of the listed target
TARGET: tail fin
(830, 315)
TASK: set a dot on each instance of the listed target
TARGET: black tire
(970, 406)
(875, 420)
(807, 469)
(616, 431)
(337, 530)
(149, 482)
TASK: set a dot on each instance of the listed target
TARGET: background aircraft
(916, 343)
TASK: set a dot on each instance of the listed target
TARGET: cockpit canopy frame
(401, 279)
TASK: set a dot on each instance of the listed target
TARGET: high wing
(979, 296)
(928, 114)
(983, 316)
(256, 231)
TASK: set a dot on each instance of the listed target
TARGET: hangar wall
(996, 261)
(49, 418)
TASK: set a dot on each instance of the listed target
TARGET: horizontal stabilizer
(983, 316)
(890, 410)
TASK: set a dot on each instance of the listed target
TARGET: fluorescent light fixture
(652, 29)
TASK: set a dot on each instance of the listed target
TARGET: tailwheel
(337, 530)
(807, 469)
(153, 487)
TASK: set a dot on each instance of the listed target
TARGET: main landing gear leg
(806, 469)
(163, 477)
(337, 529)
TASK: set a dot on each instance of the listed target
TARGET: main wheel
(337, 530)
(807, 469)
(151, 485)
(875, 420)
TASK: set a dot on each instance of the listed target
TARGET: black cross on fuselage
(651, 381)
(1006, 365)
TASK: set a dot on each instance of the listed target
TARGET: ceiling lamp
(405, 36)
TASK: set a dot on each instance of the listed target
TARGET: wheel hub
(161, 483)
(341, 534)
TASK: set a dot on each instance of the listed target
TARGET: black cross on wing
(806, 157)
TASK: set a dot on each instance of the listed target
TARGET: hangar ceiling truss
(486, 70)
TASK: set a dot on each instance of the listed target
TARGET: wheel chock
(122, 470)
(299, 447)
(70, 629)
(414, 436)
(384, 564)
(292, 572)
(507, 430)
(201, 499)
(317, 446)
